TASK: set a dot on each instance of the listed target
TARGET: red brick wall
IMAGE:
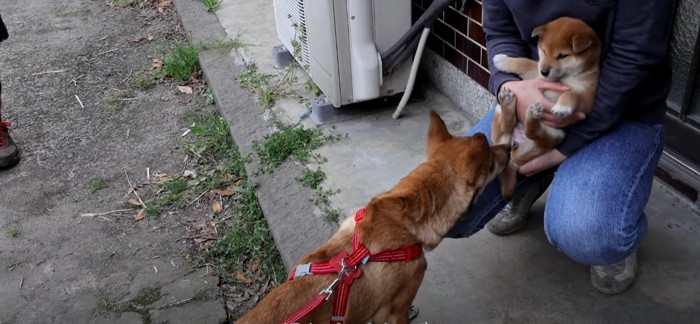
(458, 37)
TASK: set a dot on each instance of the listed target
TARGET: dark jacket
(635, 76)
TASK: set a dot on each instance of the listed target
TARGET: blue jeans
(595, 208)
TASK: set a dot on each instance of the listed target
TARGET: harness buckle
(302, 270)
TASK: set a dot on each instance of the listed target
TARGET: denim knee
(588, 241)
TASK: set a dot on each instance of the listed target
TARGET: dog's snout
(545, 72)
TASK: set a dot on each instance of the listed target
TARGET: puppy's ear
(539, 31)
(581, 42)
(437, 132)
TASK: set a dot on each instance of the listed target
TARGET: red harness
(347, 268)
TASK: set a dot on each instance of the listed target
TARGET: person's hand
(531, 91)
(557, 122)
(542, 162)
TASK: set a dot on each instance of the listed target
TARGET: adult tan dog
(569, 52)
(419, 210)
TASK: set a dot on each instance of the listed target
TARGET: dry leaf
(140, 215)
(150, 38)
(228, 177)
(225, 192)
(189, 174)
(242, 277)
(163, 4)
(162, 178)
(157, 63)
(254, 265)
(134, 202)
(185, 89)
(216, 207)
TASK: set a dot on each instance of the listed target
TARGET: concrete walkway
(483, 279)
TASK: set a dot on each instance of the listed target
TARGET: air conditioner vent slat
(291, 28)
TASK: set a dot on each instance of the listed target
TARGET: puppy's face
(470, 158)
(566, 47)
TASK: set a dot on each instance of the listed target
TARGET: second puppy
(569, 53)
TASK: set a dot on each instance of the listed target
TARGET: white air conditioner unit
(339, 43)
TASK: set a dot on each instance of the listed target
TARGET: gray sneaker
(513, 217)
(615, 278)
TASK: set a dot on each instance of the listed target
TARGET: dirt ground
(62, 64)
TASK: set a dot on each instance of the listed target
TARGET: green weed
(222, 44)
(141, 304)
(312, 179)
(182, 62)
(96, 185)
(153, 210)
(260, 84)
(208, 96)
(211, 5)
(13, 232)
(143, 81)
(117, 101)
(311, 87)
(291, 142)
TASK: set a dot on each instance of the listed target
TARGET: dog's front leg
(524, 67)
(565, 105)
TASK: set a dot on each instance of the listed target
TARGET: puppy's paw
(499, 61)
(506, 97)
(562, 111)
(535, 110)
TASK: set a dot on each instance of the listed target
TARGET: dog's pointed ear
(437, 132)
(538, 31)
(581, 42)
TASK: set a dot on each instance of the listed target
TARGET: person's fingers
(580, 115)
(550, 85)
(532, 167)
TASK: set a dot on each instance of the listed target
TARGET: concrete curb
(285, 203)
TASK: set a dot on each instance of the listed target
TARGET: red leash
(347, 268)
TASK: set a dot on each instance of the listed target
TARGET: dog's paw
(505, 96)
(562, 111)
(499, 61)
(535, 110)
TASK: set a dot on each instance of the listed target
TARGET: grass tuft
(143, 81)
(182, 62)
(211, 5)
(96, 185)
(291, 142)
(117, 101)
(260, 84)
(13, 232)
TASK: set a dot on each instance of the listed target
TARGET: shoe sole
(507, 232)
(10, 161)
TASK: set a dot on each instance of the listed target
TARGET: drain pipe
(364, 57)
(412, 76)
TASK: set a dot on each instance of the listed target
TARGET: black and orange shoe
(9, 152)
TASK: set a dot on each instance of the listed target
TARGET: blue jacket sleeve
(502, 37)
(639, 44)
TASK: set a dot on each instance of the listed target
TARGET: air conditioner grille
(291, 28)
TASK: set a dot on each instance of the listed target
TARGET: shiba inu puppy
(569, 53)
